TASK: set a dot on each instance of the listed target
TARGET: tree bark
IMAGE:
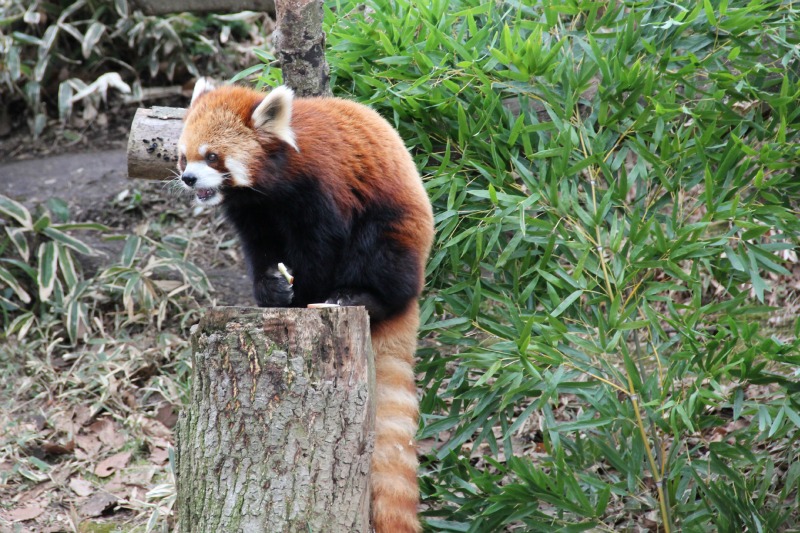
(300, 45)
(278, 434)
(153, 142)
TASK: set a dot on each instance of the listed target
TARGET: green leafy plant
(616, 200)
(111, 342)
(140, 278)
(40, 278)
(38, 270)
(93, 38)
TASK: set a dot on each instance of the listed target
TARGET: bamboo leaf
(48, 269)
(18, 236)
(68, 241)
(17, 211)
(566, 303)
(91, 38)
(8, 278)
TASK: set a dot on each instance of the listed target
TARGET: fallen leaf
(158, 442)
(154, 428)
(98, 504)
(139, 476)
(108, 466)
(80, 486)
(54, 448)
(425, 446)
(130, 399)
(82, 415)
(59, 363)
(39, 422)
(166, 415)
(159, 456)
(25, 513)
(90, 444)
(106, 431)
(117, 487)
(34, 492)
(61, 473)
(64, 423)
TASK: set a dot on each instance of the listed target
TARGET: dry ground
(85, 434)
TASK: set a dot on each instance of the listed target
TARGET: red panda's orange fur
(360, 161)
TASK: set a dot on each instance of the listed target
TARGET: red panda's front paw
(273, 290)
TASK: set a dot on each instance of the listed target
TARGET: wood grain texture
(279, 431)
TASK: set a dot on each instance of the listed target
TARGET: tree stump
(279, 431)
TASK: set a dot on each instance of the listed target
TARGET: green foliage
(41, 41)
(43, 290)
(616, 195)
(38, 270)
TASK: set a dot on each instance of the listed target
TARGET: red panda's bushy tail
(395, 493)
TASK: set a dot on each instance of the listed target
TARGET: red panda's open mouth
(205, 194)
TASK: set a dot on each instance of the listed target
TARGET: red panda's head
(223, 134)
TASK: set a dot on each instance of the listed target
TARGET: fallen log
(153, 142)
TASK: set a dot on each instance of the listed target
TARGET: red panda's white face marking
(238, 171)
(205, 181)
(202, 175)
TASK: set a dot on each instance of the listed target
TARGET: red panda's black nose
(189, 180)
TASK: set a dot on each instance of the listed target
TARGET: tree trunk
(278, 434)
(300, 45)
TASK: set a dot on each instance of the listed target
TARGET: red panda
(327, 187)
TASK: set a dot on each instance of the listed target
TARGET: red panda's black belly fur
(326, 249)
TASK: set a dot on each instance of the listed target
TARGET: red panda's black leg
(271, 289)
(354, 297)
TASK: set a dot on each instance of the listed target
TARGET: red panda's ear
(274, 114)
(201, 87)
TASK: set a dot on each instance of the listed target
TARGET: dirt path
(81, 179)
(89, 182)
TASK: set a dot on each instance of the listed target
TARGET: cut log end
(153, 143)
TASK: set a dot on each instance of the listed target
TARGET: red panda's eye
(211, 157)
